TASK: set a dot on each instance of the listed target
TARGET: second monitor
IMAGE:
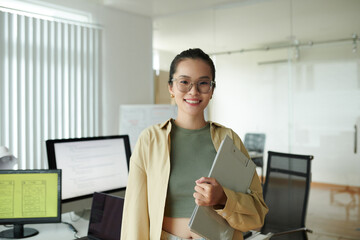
(29, 197)
(94, 164)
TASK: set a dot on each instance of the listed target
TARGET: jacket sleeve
(242, 211)
(135, 224)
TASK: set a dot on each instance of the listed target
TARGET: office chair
(255, 144)
(7, 160)
(286, 193)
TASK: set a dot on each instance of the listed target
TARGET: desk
(59, 231)
(257, 158)
(258, 236)
(253, 154)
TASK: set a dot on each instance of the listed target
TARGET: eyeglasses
(184, 85)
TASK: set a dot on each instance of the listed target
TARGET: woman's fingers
(208, 192)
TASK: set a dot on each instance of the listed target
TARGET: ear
(171, 89)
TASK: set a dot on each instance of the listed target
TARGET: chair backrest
(255, 142)
(286, 193)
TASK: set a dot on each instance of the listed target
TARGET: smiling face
(191, 104)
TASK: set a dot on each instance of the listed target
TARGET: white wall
(253, 98)
(165, 59)
(127, 59)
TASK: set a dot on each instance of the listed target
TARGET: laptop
(105, 217)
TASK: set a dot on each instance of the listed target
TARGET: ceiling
(160, 8)
(231, 25)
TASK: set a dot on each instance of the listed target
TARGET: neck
(191, 122)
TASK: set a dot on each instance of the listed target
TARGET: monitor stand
(18, 232)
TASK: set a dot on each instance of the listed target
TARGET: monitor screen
(106, 217)
(96, 164)
(29, 196)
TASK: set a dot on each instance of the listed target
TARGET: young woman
(170, 161)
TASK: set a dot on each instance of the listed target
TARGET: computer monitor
(91, 164)
(106, 217)
(28, 197)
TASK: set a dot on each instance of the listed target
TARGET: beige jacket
(148, 180)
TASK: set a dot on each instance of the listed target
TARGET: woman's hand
(208, 192)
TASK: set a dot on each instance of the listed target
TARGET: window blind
(49, 84)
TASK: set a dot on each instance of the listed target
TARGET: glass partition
(305, 101)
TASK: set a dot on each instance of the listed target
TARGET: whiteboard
(134, 118)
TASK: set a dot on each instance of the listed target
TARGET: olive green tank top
(191, 157)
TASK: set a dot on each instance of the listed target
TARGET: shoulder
(223, 130)
(156, 130)
(219, 132)
(152, 137)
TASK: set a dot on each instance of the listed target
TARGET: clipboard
(233, 170)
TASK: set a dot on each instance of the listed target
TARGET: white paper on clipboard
(233, 170)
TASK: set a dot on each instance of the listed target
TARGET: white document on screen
(88, 166)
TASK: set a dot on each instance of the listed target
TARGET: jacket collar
(167, 124)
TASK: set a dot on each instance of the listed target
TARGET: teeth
(191, 101)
